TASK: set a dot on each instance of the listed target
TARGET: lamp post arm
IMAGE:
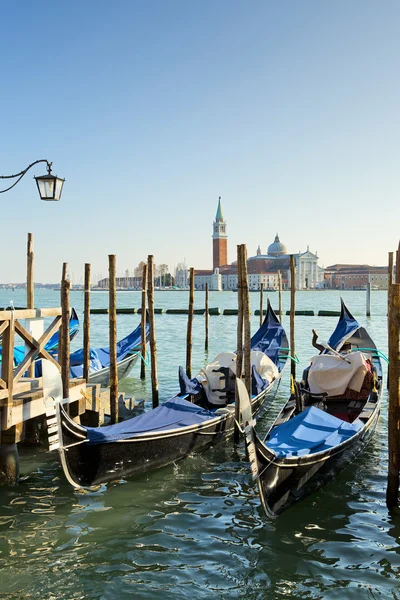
(22, 173)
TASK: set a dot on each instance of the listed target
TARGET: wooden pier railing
(10, 380)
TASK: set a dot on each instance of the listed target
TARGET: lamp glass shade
(50, 187)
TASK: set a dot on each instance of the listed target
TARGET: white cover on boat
(264, 365)
(215, 383)
(333, 375)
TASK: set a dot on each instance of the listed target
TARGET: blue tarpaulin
(174, 413)
(311, 431)
(347, 325)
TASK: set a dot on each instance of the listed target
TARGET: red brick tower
(220, 239)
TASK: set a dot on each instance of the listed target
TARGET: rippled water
(196, 529)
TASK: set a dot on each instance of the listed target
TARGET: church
(262, 268)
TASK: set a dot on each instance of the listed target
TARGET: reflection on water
(195, 529)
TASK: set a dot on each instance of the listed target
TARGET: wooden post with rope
(261, 303)
(392, 490)
(153, 345)
(246, 323)
(143, 323)
(30, 287)
(60, 352)
(390, 283)
(292, 315)
(86, 324)
(206, 320)
(189, 341)
(112, 287)
(66, 312)
(239, 345)
(280, 295)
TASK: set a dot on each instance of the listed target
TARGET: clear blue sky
(289, 110)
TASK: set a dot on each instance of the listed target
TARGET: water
(196, 529)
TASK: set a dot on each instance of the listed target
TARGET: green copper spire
(219, 216)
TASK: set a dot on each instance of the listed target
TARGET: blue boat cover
(100, 357)
(346, 326)
(174, 413)
(311, 431)
(268, 338)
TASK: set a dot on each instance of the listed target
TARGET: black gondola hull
(87, 465)
(282, 482)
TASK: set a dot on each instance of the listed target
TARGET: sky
(151, 110)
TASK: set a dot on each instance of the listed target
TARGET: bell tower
(220, 239)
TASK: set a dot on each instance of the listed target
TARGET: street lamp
(49, 186)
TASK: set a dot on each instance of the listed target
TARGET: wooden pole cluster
(206, 320)
(243, 331)
(392, 490)
(153, 345)
(189, 342)
(112, 294)
(143, 323)
(30, 289)
(261, 303)
(86, 323)
(280, 295)
(292, 314)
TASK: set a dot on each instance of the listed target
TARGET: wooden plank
(33, 313)
(31, 407)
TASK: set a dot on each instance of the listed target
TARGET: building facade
(356, 277)
(262, 268)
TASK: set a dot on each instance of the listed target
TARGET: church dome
(276, 248)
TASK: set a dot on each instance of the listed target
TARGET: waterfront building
(355, 277)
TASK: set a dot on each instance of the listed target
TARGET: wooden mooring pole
(390, 283)
(246, 322)
(66, 313)
(368, 310)
(86, 324)
(239, 360)
(112, 287)
(280, 295)
(143, 323)
(261, 304)
(30, 287)
(153, 345)
(189, 342)
(60, 334)
(292, 315)
(392, 490)
(206, 315)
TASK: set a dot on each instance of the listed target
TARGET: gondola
(173, 430)
(128, 352)
(325, 424)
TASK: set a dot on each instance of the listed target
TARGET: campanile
(220, 239)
